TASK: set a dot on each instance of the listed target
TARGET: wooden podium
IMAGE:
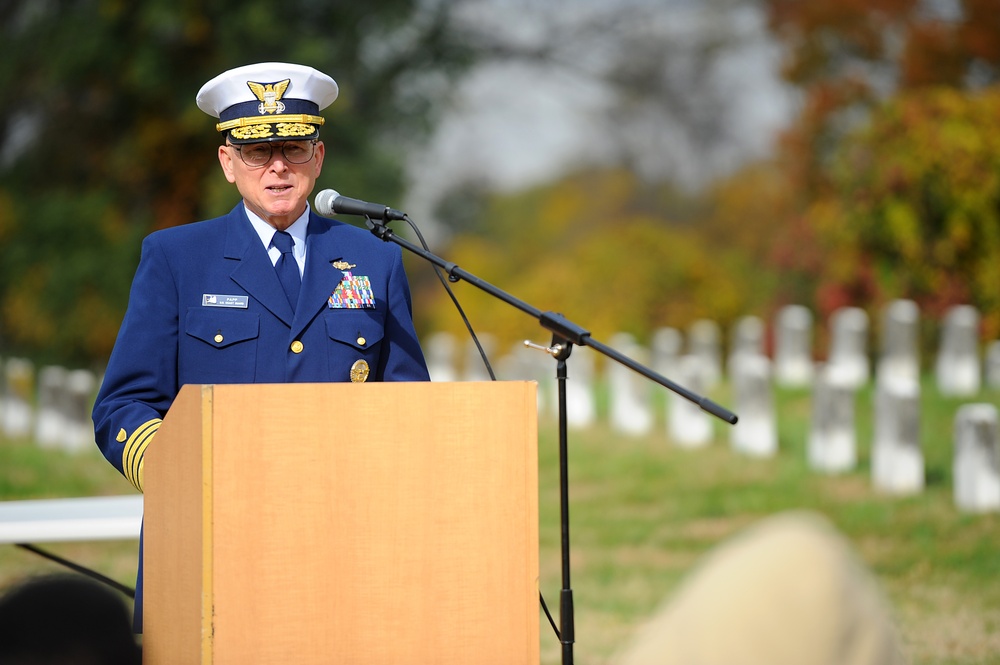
(343, 523)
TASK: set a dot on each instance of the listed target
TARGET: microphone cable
(454, 299)
(489, 368)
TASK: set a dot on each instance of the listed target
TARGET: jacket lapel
(320, 277)
(254, 272)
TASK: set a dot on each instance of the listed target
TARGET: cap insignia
(269, 95)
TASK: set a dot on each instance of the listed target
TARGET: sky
(715, 99)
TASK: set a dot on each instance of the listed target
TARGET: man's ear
(318, 158)
(226, 161)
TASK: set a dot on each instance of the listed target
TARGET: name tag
(216, 300)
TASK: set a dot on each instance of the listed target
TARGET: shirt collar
(297, 230)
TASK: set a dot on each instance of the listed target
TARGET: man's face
(276, 190)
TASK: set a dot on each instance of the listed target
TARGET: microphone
(329, 202)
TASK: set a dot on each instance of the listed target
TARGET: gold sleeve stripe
(269, 120)
(134, 450)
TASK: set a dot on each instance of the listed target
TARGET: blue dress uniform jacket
(206, 306)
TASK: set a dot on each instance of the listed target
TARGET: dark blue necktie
(286, 267)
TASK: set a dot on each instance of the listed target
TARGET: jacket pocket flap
(221, 329)
(361, 328)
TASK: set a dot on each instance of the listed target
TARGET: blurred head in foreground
(65, 620)
(787, 591)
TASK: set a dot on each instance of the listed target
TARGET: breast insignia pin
(359, 372)
(343, 265)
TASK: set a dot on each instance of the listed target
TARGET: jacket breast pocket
(219, 346)
(356, 334)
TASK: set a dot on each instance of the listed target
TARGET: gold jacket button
(362, 341)
(297, 346)
(218, 339)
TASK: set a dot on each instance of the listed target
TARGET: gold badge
(269, 95)
(343, 265)
(359, 372)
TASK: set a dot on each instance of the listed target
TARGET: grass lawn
(28, 472)
(643, 512)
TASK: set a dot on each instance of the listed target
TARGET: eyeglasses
(256, 155)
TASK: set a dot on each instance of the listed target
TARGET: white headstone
(50, 425)
(793, 359)
(899, 356)
(19, 388)
(832, 445)
(474, 367)
(78, 401)
(957, 369)
(581, 407)
(440, 350)
(897, 457)
(748, 339)
(705, 343)
(540, 366)
(848, 359)
(977, 459)
(529, 364)
(992, 370)
(629, 396)
(756, 432)
(668, 345)
(688, 426)
(518, 363)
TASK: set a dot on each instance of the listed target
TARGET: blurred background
(735, 156)
(633, 164)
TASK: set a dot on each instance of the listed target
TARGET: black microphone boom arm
(565, 334)
(555, 323)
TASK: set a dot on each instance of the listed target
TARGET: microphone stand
(565, 334)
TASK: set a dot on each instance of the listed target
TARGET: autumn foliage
(598, 248)
(916, 201)
(884, 186)
(102, 142)
(895, 154)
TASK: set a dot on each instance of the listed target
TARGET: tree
(847, 56)
(102, 141)
(673, 91)
(915, 205)
(597, 248)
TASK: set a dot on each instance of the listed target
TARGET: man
(255, 296)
